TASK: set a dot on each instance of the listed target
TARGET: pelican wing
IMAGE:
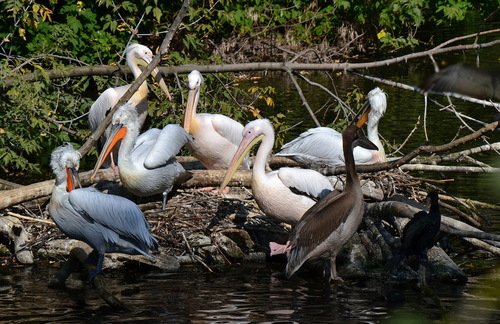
(113, 212)
(305, 181)
(167, 145)
(227, 128)
(316, 145)
(326, 216)
(103, 104)
(148, 137)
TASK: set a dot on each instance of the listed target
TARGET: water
(240, 294)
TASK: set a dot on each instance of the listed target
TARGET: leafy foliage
(37, 36)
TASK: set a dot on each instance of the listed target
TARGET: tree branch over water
(262, 66)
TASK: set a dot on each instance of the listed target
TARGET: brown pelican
(136, 55)
(146, 162)
(285, 194)
(332, 221)
(107, 223)
(467, 80)
(215, 136)
(323, 145)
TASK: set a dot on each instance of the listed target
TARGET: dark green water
(242, 294)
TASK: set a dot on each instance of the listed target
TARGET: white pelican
(146, 162)
(285, 194)
(215, 136)
(136, 55)
(467, 80)
(332, 221)
(323, 145)
(107, 223)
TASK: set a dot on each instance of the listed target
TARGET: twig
(461, 214)
(448, 168)
(31, 219)
(193, 256)
(337, 98)
(304, 101)
(456, 156)
(421, 149)
(407, 137)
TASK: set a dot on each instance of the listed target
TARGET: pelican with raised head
(107, 223)
(331, 222)
(215, 136)
(284, 194)
(136, 55)
(146, 162)
(323, 145)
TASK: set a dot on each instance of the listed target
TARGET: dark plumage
(419, 234)
(467, 80)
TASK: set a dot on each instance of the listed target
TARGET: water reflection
(241, 294)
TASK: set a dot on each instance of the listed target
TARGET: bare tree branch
(268, 66)
(304, 101)
(410, 156)
(136, 84)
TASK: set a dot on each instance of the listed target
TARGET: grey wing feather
(310, 182)
(113, 212)
(314, 145)
(168, 144)
(103, 104)
(148, 137)
(99, 108)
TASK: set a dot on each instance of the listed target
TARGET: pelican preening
(331, 222)
(136, 55)
(323, 145)
(467, 80)
(146, 162)
(274, 191)
(107, 223)
(215, 136)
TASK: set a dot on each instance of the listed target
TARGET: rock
(442, 267)
(62, 247)
(196, 240)
(368, 187)
(13, 232)
(240, 237)
(228, 246)
(352, 261)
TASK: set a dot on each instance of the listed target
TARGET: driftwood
(452, 226)
(15, 237)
